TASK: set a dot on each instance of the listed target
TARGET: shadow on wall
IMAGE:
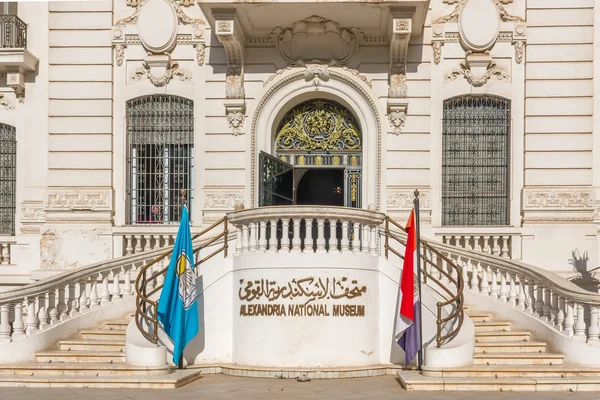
(584, 278)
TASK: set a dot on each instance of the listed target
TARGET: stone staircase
(505, 360)
(96, 358)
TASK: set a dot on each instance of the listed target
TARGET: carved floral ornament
(559, 199)
(477, 81)
(172, 71)
(75, 199)
(5, 104)
(470, 34)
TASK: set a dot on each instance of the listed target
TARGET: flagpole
(418, 240)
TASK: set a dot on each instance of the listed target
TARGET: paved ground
(219, 387)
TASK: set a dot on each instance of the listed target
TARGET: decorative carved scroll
(477, 81)
(398, 53)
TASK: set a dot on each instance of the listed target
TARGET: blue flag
(177, 306)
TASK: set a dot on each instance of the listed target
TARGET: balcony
(15, 59)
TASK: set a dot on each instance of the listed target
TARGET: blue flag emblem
(177, 306)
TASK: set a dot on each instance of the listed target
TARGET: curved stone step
(515, 371)
(80, 356)
(103, 334)
(168, 381)
(117, 325)
(509, 336)
(93, 345)
(492, 326)
(480, 316)
(510, 347)
(82, 369)
(518, 358)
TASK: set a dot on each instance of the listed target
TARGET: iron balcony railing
(13, 32)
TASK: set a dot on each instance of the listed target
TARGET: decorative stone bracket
(400, 36)
(16, 81)
(230, 34)
(397, 109)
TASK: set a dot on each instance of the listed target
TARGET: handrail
(458, 282)
(147, 309)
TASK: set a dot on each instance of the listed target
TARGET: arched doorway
(317, 158)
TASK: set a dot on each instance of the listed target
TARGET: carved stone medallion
(157, 26)
(478, 24)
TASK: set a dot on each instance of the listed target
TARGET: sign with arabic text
(314, 296)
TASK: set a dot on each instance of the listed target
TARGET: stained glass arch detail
(318, 125)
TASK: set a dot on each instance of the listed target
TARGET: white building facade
(114, 114)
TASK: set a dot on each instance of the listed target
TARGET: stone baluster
(569, 319)
(512, 291)
(43, 301)
(345, 242)
(321, 236)
(468, 245)
(246, 240)
(5, 254)
(253, 237)
(262, 240)
(62, 304)
(594, 329)
(94, 293)
(530, 302)
(116, 288)
(127, 289)
(138, 244)
(539, 301)
(475, 276)
(356, 237)
(560, 315)
(547, 304)
(445, 267)
(296, 239)
(503, 298)
(285, 235)
(435, 262)
(5, 328)
(18, 325)
(554, 310)
(495, 248)
(238, 240)
(129, 246)
(494, 286)
(160, 279)
(505, 248)
(366, 236)
(373, 241)
(83, 297)
(309, 245)
(147, 242)
(273, 236)
(484, 285)
(522, 298)
(580, 327)
(52, 307)
(71, 300)
(453, 271)
(333, 240)
(462, 261)
(105, 293)
(150, 283)
(456, 241)
(32, 320)
(486, 245)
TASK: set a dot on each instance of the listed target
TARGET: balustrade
(7, 244)
(497, 245)
(306, 230)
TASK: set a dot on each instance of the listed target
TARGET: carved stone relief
(398, 55)
(559, 199)
(464, 70)
(402, 198)
(79, 199)
(223, 199)
(316, 40)
(5, 104)
(171, 71)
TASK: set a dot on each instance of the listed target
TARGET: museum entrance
(316, 158)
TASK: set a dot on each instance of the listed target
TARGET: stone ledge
(293, 373)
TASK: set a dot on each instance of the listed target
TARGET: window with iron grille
(8, 179)
(475, 165)
(160, 147)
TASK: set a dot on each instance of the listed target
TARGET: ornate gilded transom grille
(475, 165)
(160, 144)
(8, 179)
(318, 125)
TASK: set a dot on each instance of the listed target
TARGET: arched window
(160, 143)
(476, 159)
(8, 179)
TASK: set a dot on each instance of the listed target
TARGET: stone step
(80, 356)
(515, 371)
(117, 325)
(492, 326)
(510, 347)
(510, 336)
(81, 369)
(518, 358)
(93, 345)
(480, 316)
(412, 381)
(103, 334)
(169, 381)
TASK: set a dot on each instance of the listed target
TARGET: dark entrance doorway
(324, 187)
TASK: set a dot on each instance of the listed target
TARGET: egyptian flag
(408, 318)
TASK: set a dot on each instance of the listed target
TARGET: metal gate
(8, 179)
